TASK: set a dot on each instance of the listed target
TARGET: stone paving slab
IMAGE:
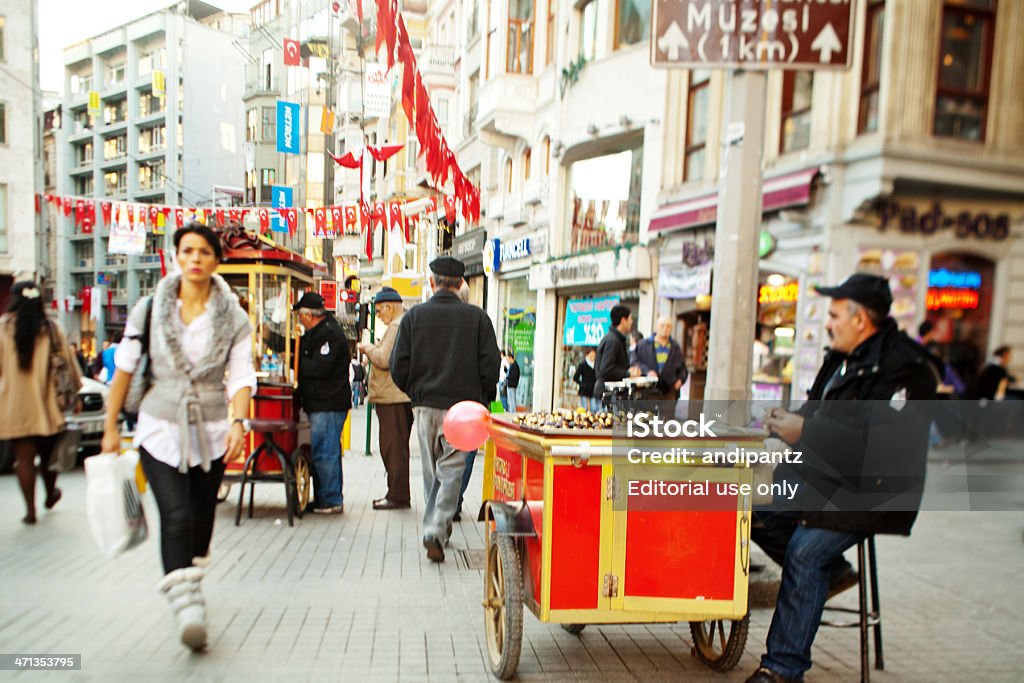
(353, 598)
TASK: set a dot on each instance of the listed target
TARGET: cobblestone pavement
(353, 598)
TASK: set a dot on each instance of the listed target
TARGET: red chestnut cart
(568, 543)
(268, 279)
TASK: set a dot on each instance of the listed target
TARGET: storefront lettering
(958, 279)
(573, 271)
(516, 249)
(770, 294)
(952, 298)
(964, 224)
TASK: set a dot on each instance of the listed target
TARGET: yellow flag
(158, 83)
(94, 102)
(327, 121)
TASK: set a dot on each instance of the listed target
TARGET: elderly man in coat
(660, 356)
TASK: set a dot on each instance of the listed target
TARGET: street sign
(752, 34)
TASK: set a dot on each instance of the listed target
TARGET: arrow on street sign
(826, 43)
(672, 41)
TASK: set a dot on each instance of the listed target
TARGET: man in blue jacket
(660, 356)
(446, 352)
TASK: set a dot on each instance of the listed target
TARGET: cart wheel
(503, 606)
(574, 629)
(712, 646)
(223, 492)
(303, 479)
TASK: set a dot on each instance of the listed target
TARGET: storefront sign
(565, 273)
(376, 91)
(516, 249)
(964, 224)
(771, 294)
(329, 291)
(679, 281)
(288, 127)
(469, 248)
(587, 320)
(940, 298)
(958, 279)
(626, 264)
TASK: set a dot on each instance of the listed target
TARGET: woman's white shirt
(161, 438)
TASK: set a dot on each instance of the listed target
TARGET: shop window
(797, 87)
(549, 48)
(632, 22)
(518, 324)
(520, 37)
(605, 201)
(871, 72)
(965, 64)
(696, 125)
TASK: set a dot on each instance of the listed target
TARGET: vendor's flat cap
(870, 291)
(446, 265)
(387, 294)
(309, 300)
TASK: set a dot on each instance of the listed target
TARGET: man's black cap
(309, 300)
(870, 291)
(448, 266)
(387, 294)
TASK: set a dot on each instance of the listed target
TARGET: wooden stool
(251, 475)
(866, 617)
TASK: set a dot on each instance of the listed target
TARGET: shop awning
(780, 192)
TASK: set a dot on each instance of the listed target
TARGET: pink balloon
(465, 425)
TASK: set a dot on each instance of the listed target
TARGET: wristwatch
(246, 425)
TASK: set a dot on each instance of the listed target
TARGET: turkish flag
(351, 219)
(320, 221)
(105, 208)
(131, 214)
(380, 215)
(219, 213)
(449, 209)
(140, 215)
(397, 219)
(264, 216)
(38, 209)
(154, 211)
(79, 211)
(67, 206)
(348, 160)
(292, 217)
(383, 152)
(337, 219)
(179, 217)
(367, 223)
(89, 219)
(291, 52)
(86, 295)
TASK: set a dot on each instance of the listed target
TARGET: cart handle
(581, 452)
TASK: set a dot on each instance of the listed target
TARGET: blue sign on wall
(280, 198)
(587, 320)
(288, 127)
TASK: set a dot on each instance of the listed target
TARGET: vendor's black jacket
(612, 361)
(865, 439)
(646, 357)
(323, 368)
(445, 352)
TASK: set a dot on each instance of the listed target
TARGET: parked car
(92, 398)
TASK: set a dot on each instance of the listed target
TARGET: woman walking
(28, 400)
(197, 331)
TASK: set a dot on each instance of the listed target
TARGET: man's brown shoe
(385, 504)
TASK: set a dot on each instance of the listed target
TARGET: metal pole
(328, 193)
(369, 406)
(734, 292)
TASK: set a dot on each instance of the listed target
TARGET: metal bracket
(611, 488)
(583, 458)
(610, 589)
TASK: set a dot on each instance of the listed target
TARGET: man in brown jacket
(394, 408)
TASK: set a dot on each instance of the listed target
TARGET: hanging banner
(281, 197)
(94, 103)
(288, 127)
(127, 238)
(158, 84)
(377, 91)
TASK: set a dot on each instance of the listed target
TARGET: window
(965, 64)
(81, 83)
(150, 104)
(527, 157)
(250, 125)
(3, 219)
(152, 139)
(520, 37)
(115, 75)
(549, 48)
(696, 125)
(3, 123)
(867, 120)
(796, 110)
(83, 154)
(412, 152)
(84, 186)
(269, 124)
(115, 183)
(151, 175)
(508, 175)
(589, 28)
(115, 148)
(547, 155)
(605, 199)
(632, 21)
(267, 179)
(473, 29)
(3, 53)
(441, 111)
(267, 75)
(115, 112)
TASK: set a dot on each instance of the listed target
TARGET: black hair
(618, 313)
(30, 315)
(924, 328)
(206, 232)
(1002, 351)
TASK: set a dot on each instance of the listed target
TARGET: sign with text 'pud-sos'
(752, 34)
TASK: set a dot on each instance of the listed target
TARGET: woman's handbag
(62, 374)
(141, 378)
(113, 503)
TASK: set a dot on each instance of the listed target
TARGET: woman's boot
(186, 599)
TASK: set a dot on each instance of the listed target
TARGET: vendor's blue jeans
(810, 557)
(325, 434)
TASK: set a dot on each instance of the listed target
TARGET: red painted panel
(681, 553)
(271, 402)
(534, 486)
(576, 537)
(534, 550)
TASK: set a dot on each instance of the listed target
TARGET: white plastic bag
(113, 503)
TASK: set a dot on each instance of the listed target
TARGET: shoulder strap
(144, 339)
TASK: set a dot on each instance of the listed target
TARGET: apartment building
(165, 125)
(22, 252)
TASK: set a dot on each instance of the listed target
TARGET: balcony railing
(439, 57)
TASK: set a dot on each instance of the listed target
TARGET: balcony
(496, 208)
(515, 212)
(536, 190)
(438, 59)
(115, 260)
(507, 104)
(261, 88)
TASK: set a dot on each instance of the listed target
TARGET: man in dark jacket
(612, 363)
(512, 380)
(325, 394)
(863, 435)
(585, 377)
(660, 356)
(446, 352)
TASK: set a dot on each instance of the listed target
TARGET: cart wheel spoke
(719, 643)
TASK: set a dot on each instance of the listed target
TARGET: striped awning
(780, 192)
